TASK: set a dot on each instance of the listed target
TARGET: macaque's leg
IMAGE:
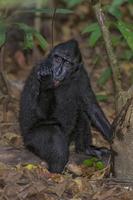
(49, 144)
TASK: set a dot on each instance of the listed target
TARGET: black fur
(58, 103)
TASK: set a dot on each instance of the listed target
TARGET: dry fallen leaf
(59, 188)
(79, 183)
(74, 169)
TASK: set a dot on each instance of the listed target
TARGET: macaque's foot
(98, 152)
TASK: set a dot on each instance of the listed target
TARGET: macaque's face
(63, 61)
(66, 59)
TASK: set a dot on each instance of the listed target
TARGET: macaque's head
(66, 59)
(62, 63)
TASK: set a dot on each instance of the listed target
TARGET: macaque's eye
(58, 59)
(67, 62)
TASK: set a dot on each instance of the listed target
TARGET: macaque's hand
(43, 72)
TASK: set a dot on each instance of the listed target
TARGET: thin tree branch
(107, 38)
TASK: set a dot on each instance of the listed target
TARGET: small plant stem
(53, 18)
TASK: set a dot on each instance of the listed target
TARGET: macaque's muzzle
(61, 73)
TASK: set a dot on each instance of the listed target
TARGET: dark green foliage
(94, 162)
(94, 31)
(126, 31)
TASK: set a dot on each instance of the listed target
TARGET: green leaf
(2, 33)
(94, 37)
(105, 76)
(30, 166)
(63, 11)
(23, 26)
(127, 25)
(118, 2)
(99, 165)
(127, 32)
(115, 12)
(40, 10)
(90, 28)
(94, 162)
(42, 41)
(114, 8)
(49, 10)
(30, 33)
(72, 3)
(28, 39)
(90, 162)
(101, 97)
(95, 31)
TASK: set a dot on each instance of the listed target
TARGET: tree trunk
(123, 142)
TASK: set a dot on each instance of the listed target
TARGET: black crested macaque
(58, 104)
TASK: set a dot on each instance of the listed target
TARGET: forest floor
(23, 176)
